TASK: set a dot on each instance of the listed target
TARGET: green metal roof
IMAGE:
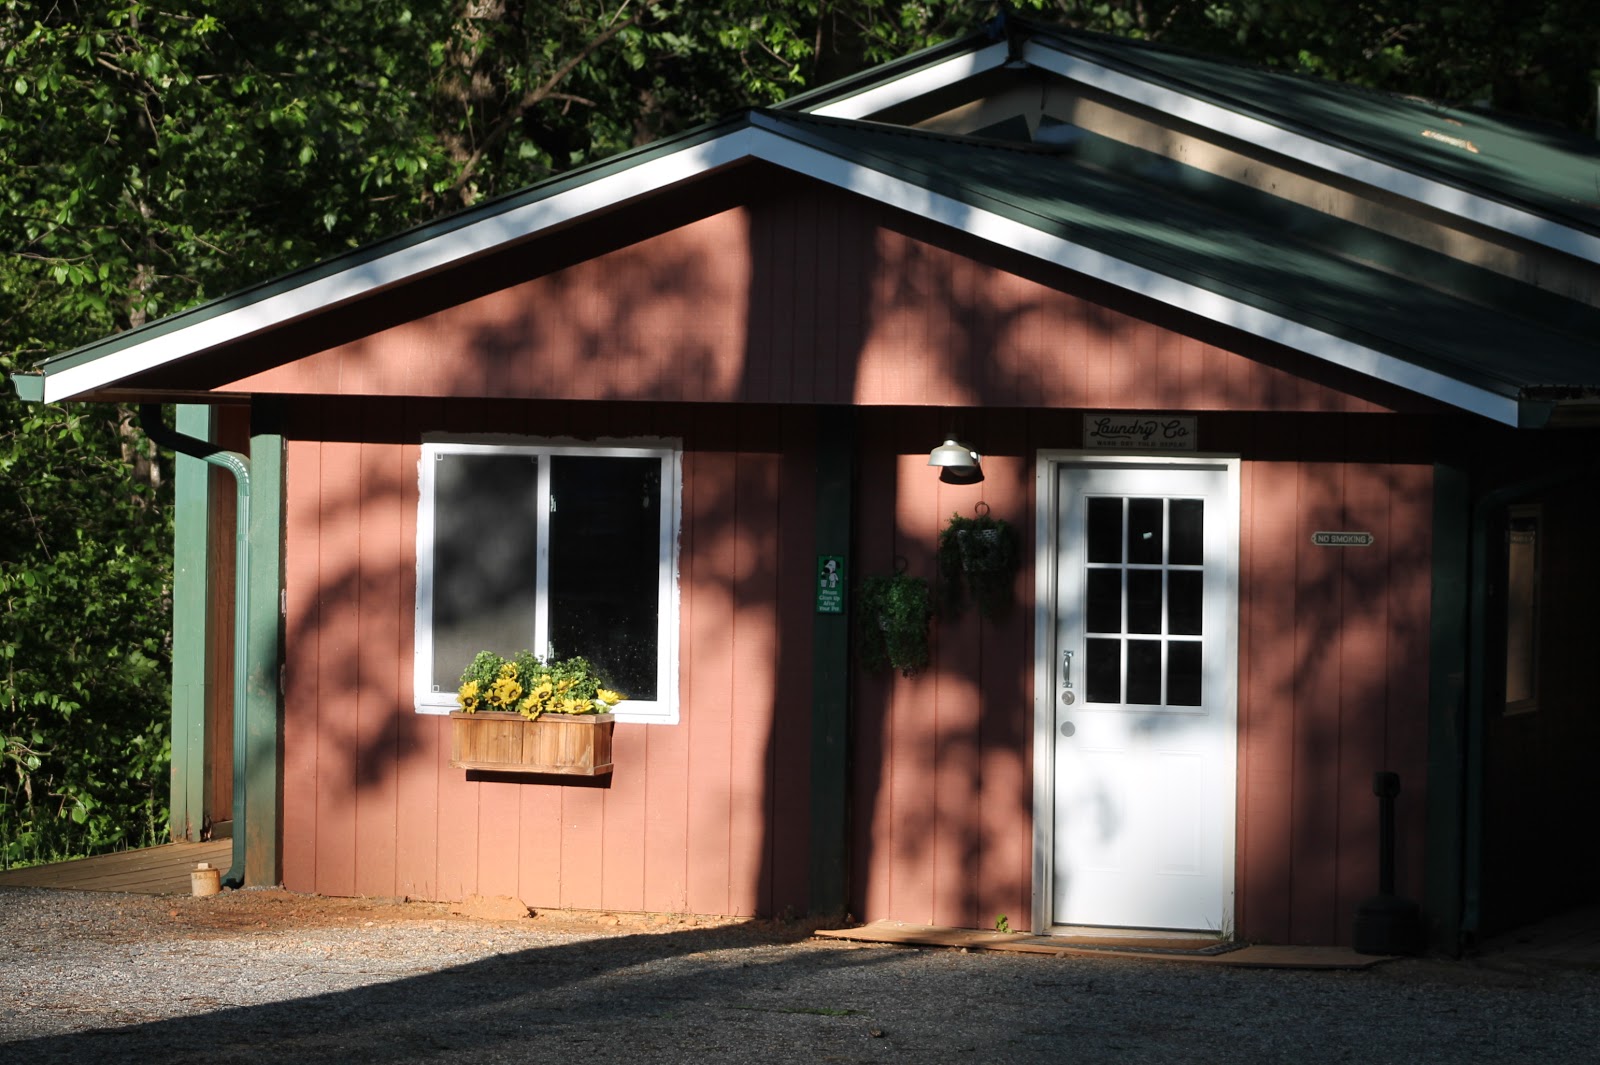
(1546, 168)
(1243, 253)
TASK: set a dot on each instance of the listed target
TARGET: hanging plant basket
(893, 612)
(979, 558)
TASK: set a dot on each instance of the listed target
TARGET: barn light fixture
(958, 463)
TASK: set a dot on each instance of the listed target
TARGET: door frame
(1046, 558)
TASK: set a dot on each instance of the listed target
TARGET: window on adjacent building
(1522, 609)
(561, 550)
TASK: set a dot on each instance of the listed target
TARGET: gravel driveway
(272, 977)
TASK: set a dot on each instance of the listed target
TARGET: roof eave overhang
(130, 354)
(1569, 409)
(772, 140)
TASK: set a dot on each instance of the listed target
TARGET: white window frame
(663, 709)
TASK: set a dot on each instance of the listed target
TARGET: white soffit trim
(1008, 233)
(401, 265)
(917, 83)
(1436, 194)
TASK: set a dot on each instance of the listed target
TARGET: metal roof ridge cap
(1377, 170)
(877, 96)
(865, 80)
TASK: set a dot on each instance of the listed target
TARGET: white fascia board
(1009, 233)
(917, 83)
(401, 265)
(1368, 171)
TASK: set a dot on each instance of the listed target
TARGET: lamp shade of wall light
(958, 463)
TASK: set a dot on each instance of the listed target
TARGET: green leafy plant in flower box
(530, 686)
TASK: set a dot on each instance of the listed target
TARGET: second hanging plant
(892, 613)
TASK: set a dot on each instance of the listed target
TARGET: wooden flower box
(503, 742)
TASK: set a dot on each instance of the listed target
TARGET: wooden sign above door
(1132, 431)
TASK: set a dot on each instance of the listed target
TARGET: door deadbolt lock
(1068, 698)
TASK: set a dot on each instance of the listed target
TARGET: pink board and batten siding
(723, 332)
(1332, 679)
(707, 816)
(808, 296)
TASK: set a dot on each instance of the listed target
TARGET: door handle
(1067, 695)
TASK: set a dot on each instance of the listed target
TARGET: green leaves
(84, 617)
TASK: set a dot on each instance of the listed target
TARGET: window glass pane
(1183, 673)
(1185, 596)
(1144, 530)
(1188, 532)
(1522, 598)
(1102, 674)
(605, 566)
(1105, 530)
(1104, 609)
(485, 552)
(1144, 600)
(1144, 672)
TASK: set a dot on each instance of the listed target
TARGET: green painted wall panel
(191, 594)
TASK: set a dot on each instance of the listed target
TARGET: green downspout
(238, 465)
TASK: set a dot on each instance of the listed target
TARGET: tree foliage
(155, 156)
(1535, 59)
(84, 613)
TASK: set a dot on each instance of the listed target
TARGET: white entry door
(1142, 671)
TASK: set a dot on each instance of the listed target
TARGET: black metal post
(1385, 923)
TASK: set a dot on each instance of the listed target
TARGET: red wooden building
(1288, 390)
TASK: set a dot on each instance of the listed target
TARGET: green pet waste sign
(830, 584)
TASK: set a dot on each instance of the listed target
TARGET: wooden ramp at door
(1168, 947)
(162, 870)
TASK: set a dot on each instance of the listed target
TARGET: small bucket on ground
(205, 880)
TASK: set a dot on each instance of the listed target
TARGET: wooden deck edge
(160, 870)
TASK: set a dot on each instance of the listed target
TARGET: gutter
(163, 435)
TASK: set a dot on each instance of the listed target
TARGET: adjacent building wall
(1538, 796)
